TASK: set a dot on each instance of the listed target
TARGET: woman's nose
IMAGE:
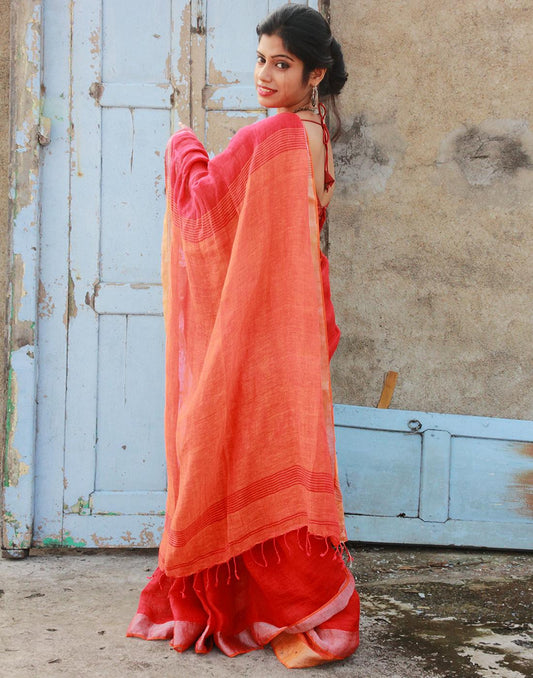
(263, 72)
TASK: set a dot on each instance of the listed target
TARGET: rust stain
(522, 487)
(525, 448)
(526, 480)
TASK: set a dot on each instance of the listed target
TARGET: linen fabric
(248, 417)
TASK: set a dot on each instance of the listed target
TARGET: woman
(252, 548)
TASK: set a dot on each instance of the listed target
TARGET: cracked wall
(430, 236)
(4, 218)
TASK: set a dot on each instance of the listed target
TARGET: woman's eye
(282, 64)
(260, 60)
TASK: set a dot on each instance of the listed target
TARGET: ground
(426, 613)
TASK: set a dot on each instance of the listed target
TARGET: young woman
(252, 547)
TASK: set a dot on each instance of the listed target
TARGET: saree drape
(248, 416)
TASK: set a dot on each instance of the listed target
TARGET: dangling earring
(314, 98)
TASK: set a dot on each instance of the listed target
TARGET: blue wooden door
(114, 85)
(426, 478)
(116, 82)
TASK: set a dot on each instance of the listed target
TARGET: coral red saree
(254, 523)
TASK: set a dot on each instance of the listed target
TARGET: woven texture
(248, 422)
(251, 550)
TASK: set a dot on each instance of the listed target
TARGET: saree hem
(305, 604)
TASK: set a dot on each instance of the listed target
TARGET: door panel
(116, 84)
(472, 486)
(407, 477)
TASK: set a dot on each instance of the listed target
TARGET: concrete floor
(426, 613)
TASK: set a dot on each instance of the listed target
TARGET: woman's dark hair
(306, 34)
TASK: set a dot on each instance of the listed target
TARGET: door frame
(26, 137)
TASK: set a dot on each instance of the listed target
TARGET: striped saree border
(272, 484)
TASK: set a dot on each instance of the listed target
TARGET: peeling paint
(15, 468)
(66, 540)
(82, 507)
(94, 39)
(44, 300)
(100, 541)
(72, 310)
(11, 423)
(22, 331)
(96, 91)
(91, 298)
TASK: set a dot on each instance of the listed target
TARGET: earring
(314, 97)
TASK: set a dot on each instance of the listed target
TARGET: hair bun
(336, 75)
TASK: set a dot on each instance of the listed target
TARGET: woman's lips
(265, 91)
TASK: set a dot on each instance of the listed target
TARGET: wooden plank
(101, 531)
(457, 424)
(129, 298)
(19, 460)
(491, 480)
(435, 476)
(128, 502)
(54, 275)
(126, 95)
(379, 472)
(475, 534)
(130, 35)
(80, 436)
(130, 448)
(132, 194)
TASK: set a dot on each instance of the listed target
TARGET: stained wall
(431, 228)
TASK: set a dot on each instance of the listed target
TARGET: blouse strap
(328, 179)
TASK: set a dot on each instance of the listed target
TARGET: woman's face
(279, 76)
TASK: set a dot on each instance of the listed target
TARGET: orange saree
(254, 524)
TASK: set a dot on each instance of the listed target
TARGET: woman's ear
(316, 76)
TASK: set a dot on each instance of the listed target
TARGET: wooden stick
(389, 384)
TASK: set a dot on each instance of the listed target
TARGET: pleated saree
(252, 547)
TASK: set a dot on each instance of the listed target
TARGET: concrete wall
(431, 231)
(4, 223)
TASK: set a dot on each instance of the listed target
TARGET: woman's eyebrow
(276, 56)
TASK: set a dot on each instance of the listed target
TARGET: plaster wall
(431, 227)
(4, 219)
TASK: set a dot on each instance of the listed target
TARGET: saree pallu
(254, 525)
